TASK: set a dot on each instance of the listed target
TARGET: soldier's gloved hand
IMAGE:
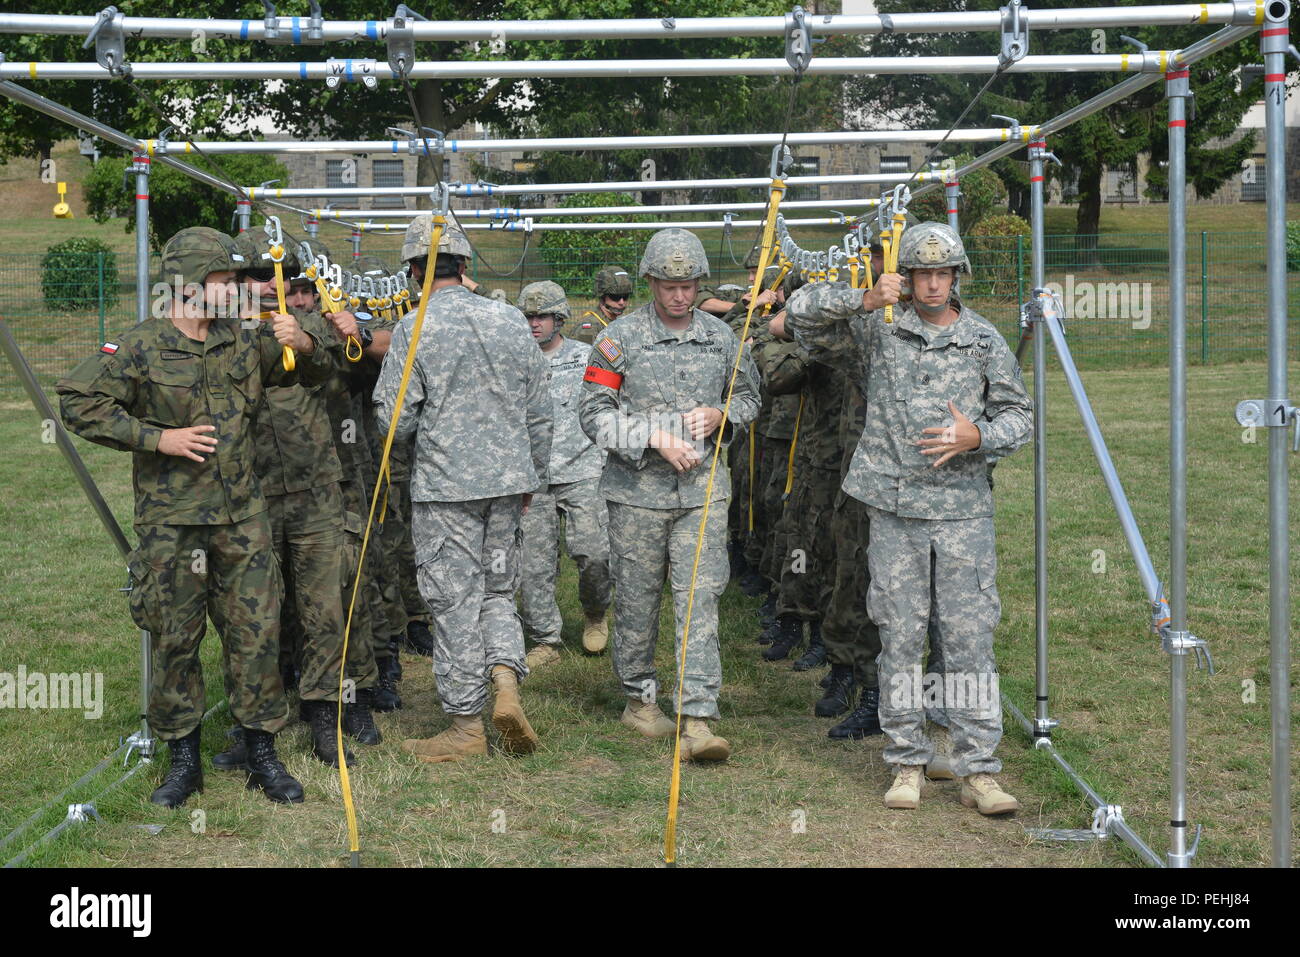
(677, 452)
(345, 323)
(187, 443)
(962, 436)
(702, 421)
(289, 333)
(886, 292)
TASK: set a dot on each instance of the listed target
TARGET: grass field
(595, 793)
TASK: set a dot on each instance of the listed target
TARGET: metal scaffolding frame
(1043, 314)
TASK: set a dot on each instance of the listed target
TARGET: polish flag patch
(109, 347)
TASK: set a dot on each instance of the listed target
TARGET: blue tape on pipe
(297, 33)
(243, 30)
(453, 146)
(302, 70)
(349, 70)
(394, 146)
(371, 31)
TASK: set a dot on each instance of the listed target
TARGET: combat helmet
(543, 298)
(613, 282)
(195, 252)
(675, 255)
(932, 246)
(255, 247)
(420, 233)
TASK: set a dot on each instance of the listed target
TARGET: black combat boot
(266, 772)
(185, 776)
(826, 680)
(752, 584)
(769, 633)
(815, 656)
(419, 638)
(358, 721)
(386, 697)
(324, 740)
(234, 757)
(789, 635)
(839, 694)
(863, 722)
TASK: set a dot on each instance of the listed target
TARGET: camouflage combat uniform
(931, 528)
(574, 492)
(205, 535)
(478, 408)
(643, 376)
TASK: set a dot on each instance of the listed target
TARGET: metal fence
(1115, 289)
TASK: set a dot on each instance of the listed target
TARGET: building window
(895, 164)
(1253, 180)
(341, 173)
(1119, 186)
(389, 173)
(806, 166)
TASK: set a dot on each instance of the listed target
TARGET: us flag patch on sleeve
(109, 347)
(610, 351)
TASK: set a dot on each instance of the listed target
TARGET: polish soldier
(479, 412)
(944, 393)
(179, 392)
(613, 288)
(653, 398)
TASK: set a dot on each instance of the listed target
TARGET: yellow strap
(794, 444)
(354, 838)
(765, 256)
(287, 358)
(891, 243)
(597, 316)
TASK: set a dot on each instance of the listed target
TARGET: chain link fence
(1115, 289)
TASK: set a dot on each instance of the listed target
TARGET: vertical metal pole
(356, 244)
(1273, 43)
(1020, 268)
(1205, 296)
(313, 226)
(951, 191)
(140, 166)
(244, 210)
(1042, 723)
(1176, 91)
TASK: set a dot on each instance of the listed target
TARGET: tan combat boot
(647, 718)
(906, 790)
(464, 739)
(517, 735)
(595, 635)
(940, 766)
(541, 656)
(983, 792)
(701, 744)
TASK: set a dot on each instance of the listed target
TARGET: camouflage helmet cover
(254, 246)
(751, 260)
(195, 252)
(370, 265)
(932, 246)
(675, 255)
(611, 281)
(420, 233)
(543, 298)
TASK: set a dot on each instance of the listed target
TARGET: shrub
(991, 245)
(1293, 247)
(573, 266)
(70, 274)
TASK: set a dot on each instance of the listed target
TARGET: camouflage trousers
(387, 613)
(183, 574)
(945, 566)
(851, 637)
(469, 567)
(397, 539)
(586, 538)
(307, 530)
(774, 463)
(653, 545)
(738, 460)
(808, 563)
(361, 666)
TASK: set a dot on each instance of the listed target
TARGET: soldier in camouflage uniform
(943, 393)
(613, 288)
(573, 492)
(179, 392)
(657, 381)
(478, 409)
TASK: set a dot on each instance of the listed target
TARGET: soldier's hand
(961, 436)
(677, 452)
(776, 325)
(289, 333)
(187, 443)
(702, 421)
(886, 292)
(528, 501)
(345, 322)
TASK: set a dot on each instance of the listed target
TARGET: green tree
(175, 200)
(572, 266)
(1113, 139)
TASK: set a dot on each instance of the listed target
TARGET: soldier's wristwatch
(366, 337)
